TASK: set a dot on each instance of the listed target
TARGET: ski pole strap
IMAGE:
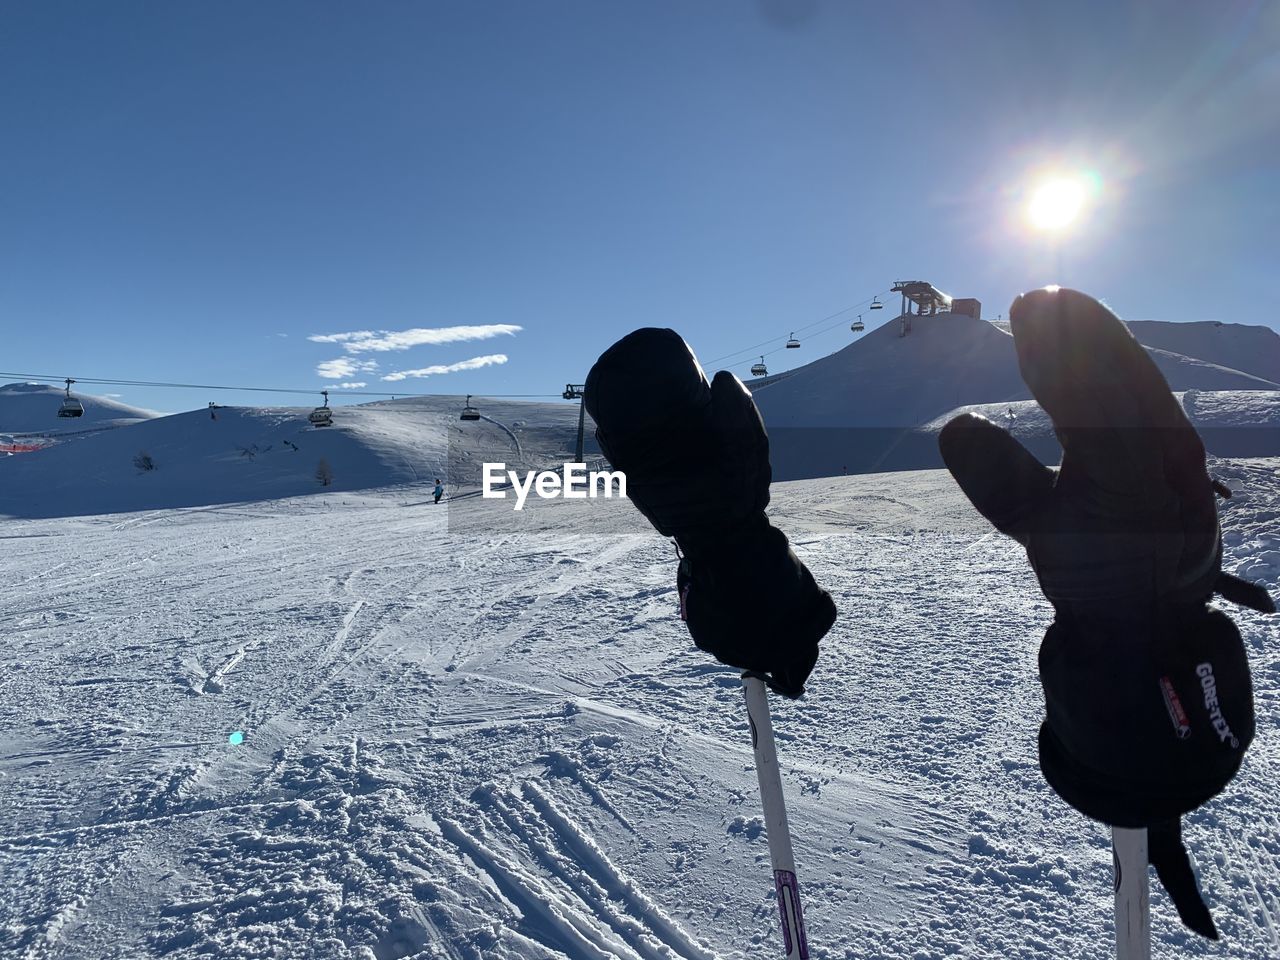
(1168, 854)
(1243, 593)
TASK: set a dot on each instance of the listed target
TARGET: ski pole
(775, 817)
(1133, 894)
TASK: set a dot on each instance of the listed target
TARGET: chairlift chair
(322, 416)
(469, 412)
(71, 407)
(759, 369)
(876, 304)
(793, 343)
(857, 325)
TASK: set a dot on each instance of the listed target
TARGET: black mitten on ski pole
(1148, 699)
(696, 458)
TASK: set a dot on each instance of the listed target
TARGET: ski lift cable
(810, 326)
(838, 324)
(834, 326)
(765, 343)
(101, 381)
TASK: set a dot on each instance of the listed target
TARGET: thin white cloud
(475, 363)
(344, 367)
(113, 396)
(365, 341)
(352, 386)
(355, 335)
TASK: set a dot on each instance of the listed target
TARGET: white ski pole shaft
(1133, 894)
(775, 819)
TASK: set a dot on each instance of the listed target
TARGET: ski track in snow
(503, 745)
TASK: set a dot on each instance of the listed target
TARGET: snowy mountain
(1251, 349)
(240, 454)
(33, 408)
(864, 408)
(947, 360)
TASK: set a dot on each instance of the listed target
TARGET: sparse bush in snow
(143, 461)
(324, 473)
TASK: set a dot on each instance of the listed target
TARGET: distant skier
(438, 492)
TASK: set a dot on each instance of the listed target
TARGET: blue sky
(189, 191)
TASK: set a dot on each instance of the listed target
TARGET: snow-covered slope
(259, 454)
(33, 408)
(505, 746)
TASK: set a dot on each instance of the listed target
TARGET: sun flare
(1056, 203)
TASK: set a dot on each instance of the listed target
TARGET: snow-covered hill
(246, 454)
(33, 408)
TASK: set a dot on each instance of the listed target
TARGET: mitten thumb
(999, 475)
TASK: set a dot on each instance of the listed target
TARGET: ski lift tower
(926, 297)
(577, 391)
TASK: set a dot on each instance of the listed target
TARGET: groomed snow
(503, 744)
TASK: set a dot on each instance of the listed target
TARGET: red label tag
(1177, 714)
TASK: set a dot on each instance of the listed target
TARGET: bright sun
(1056, 203)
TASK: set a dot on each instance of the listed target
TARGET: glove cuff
(750, 537)
(752, 604)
